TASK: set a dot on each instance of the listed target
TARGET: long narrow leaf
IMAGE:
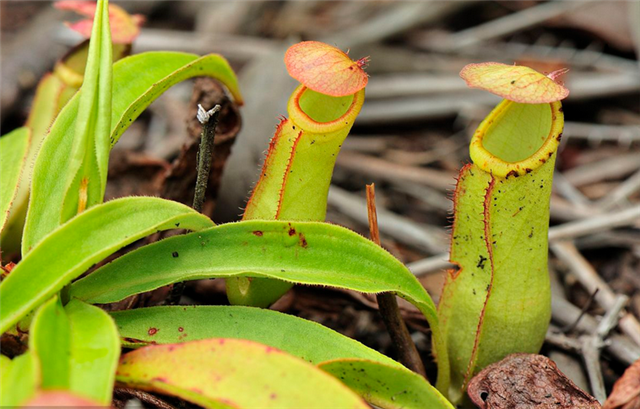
(50, 96)
(50, 341)
(377, 378)
(223, 373)
(86, 176)
(95, 349)
(305, 339)
(13, 154)
(137, 81)
(54, 91)
(84, 240)
(384, 386)
(311, 253)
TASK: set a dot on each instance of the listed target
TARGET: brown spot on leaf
(481, 262)
(292, 231)
(303, 241)
(527, 381)
(152, 331)
(513, 173)
(180, 329)
(258, 233)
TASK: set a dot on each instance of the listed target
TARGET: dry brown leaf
(527, 381)
(626, 391)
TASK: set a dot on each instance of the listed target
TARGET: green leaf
(95, 349)
(53, 92)
(385, 386)
(13, 154)
(77, 348)
(49, 98)
(301, 252)
(167, 325)
(137, 82)
(51, 95)
(499, 302)
(377, 378)
(19, 380)
(311, 253)
(83, 241)
(50, 341)
(86, 175)
(215, 373)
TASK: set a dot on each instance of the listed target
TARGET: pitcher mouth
(309, 124)
(498, 159)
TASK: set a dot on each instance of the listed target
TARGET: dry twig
(590, 279)
(209, 121)
(388, 304)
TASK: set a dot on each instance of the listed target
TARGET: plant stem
(209, 121)
(388, 305)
